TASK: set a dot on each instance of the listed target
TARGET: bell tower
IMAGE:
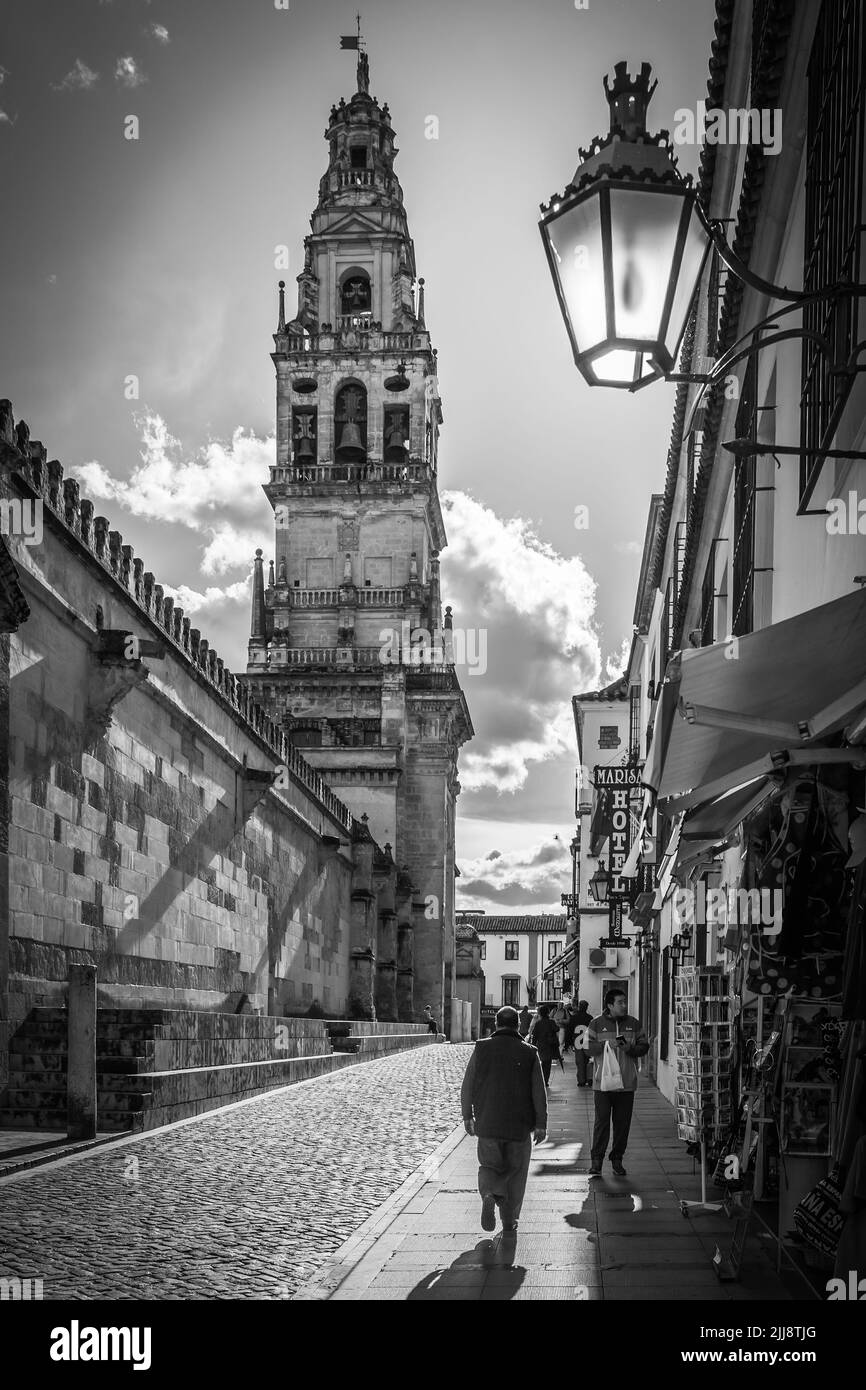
(347, 646)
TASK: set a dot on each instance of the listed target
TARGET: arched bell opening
(356, 296)
(396, 434)
(350, 418)
(303, 435)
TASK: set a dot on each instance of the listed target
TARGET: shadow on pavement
(470, 1270)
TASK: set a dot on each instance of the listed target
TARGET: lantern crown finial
(629, 98)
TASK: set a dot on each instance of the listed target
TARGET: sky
(139, 303)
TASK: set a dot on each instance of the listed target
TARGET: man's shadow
(470, 1270)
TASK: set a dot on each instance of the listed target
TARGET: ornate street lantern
(626, 243)
(599, 884)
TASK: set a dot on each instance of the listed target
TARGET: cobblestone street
(245, 1203)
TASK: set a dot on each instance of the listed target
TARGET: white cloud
(6, 119)
(128, 73)
(80, 78)
(616, 663)
(530, 879)
(216, 493)
(537, 608)
(160, 33)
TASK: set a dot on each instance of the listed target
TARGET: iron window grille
(708, 600)
(745, 475)
(634, 725)
(834, 220)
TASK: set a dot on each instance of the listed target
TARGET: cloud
(537, 610)
(160, 33)
(530, 879)
(6, 119)
(617, 662)
(80, 78)
(628, 547)
(4, 73)
(128, 73)
(216, 492)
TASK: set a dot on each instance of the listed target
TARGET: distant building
(514, 953)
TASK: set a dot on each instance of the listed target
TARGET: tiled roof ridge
(74, 513)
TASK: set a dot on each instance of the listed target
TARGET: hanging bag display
(611, 1076)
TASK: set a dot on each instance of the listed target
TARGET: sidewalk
(612, 1238)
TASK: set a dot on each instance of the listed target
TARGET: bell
(351, 448)
(395, 447)
(304, 450)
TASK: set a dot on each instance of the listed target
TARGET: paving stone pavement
(610, 1239)
(244, 1203)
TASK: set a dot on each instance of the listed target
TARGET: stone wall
(159, 823)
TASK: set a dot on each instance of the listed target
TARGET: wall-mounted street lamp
(599, 884)
(626, 244)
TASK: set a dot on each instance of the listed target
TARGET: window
(745, 482)
(835, 155)
(634, 725)
(510, 990)
(708, 600)
(307, 738)
(482, 950)
(553, 949)
(512, 950)
(358, 156)
(665, 1020)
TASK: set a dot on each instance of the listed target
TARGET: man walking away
(504, 1104)
(544, 1038)
(525, 1019)
(582, 1020)
(629, 1041)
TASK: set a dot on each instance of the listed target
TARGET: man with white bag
(615, 1039)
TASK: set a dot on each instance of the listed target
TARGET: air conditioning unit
(603, 958)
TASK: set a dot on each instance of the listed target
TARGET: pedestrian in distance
(504, 1104)
(525, 1020)
(570, 1027)
(560, 1018)
(582, 1020)
(432, 1025)
(544, 1037)
(615, 1041)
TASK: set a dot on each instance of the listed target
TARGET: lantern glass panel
(575, 239)
(643, 230)
(697, 244)
(617, 366)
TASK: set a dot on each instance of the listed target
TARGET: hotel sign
(618, 783)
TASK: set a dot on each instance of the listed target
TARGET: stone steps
(159, 1065)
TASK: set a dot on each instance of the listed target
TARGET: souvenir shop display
(702, 1038)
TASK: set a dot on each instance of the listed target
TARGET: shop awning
(562, 959)
(730, 715)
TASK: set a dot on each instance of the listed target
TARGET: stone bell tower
(359, 531)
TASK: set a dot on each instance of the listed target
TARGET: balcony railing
(371, 338)
(363, 658)
(380, 598)
(415, 471)
(314, 598)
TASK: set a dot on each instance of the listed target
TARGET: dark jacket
(503, 1089)
(544, 1035)
(606, 1029)
(525, 1018)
